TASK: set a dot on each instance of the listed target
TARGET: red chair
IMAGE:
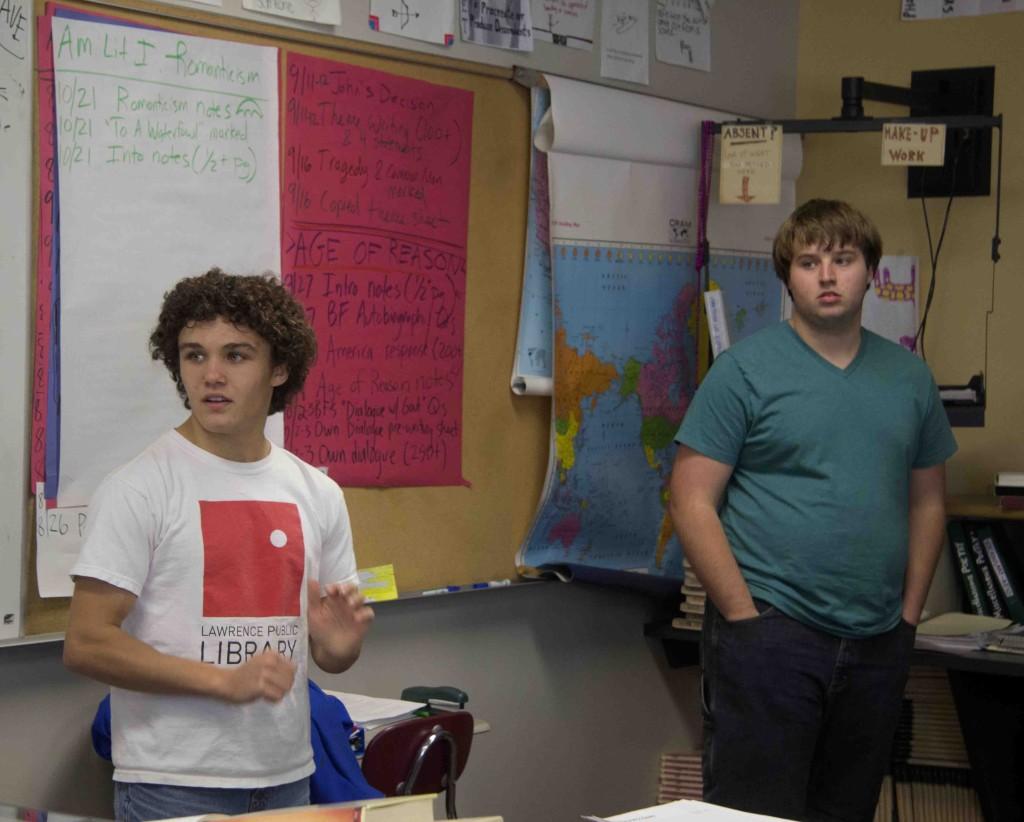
(421, 755)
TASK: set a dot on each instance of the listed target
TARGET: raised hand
(338, 619)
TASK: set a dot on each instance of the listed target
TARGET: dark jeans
(799, 723)
(140, 802)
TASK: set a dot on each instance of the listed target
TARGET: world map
(625, 370)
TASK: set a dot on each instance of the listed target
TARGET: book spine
(1001, 572)
(972, 589)
(988, 583)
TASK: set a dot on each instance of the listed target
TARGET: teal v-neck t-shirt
(816, 509)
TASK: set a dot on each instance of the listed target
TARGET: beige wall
(866, 38)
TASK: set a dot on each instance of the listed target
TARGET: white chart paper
(168, 167)
(531, 370)
(646, 150)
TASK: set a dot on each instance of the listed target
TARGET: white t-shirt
(218, 553)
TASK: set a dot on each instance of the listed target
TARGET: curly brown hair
(257, 302)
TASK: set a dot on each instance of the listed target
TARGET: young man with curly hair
(808, 492)
(212, 561)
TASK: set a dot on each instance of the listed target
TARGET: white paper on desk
(371, 711)
(684, 809)
(625, 48)
(172, 169)
(428, 20)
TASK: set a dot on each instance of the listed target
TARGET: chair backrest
(421, 755)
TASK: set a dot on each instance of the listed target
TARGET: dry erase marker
(448, 589)
(494, 583)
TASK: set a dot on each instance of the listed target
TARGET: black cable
(933, 253)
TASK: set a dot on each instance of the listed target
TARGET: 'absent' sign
(751, 165)
(906, 144)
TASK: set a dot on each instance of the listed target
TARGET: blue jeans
(141, 801)
(799, 723)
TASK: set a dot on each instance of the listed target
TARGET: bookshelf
(986, 687)
(979, 506)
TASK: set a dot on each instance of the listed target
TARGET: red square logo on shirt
(253, 558)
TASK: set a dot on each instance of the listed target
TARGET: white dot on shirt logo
(278, 538)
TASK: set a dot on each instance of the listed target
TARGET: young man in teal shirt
(808, 491)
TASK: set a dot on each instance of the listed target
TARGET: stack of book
(988, 570)
(925, 794)
(929, 730)
(886, 801)
(680, 777)
(693, 602)
(959, 633)
(1010, 490)
(931, 778)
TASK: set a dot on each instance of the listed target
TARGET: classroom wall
(867, 39)
(580, 703)
(744, 33)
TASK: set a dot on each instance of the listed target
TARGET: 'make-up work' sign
(913, 144)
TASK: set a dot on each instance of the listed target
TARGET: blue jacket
(337, 777)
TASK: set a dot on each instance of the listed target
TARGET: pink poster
(375, 214)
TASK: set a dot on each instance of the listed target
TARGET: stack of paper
(374, 711)
(681, 811)
(958, 632)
